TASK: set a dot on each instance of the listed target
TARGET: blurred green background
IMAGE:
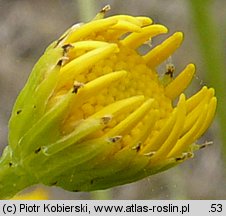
(27, 27)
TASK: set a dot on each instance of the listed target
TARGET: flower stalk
(213, 54)
(13, 178)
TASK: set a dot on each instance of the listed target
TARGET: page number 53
(216, 208)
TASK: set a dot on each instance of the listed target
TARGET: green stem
(212, 49)
(87, 10)
(101, 195)
(13, 178)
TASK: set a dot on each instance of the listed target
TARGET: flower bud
(95, 114)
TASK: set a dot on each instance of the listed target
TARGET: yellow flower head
(95, 114)
(37, 194)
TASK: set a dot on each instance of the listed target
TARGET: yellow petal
(161, 52)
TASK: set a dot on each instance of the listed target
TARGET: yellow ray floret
(135, 40)
(161, 52)
(178, 85)
(37, 194)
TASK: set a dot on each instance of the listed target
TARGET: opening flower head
(94, 112)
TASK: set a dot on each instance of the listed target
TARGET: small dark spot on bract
(115, 139)
(37, 150)
(137, 147)
(60, 40)
(91, 182)
(66, 47)
(10, 164)
(18, 112)
(60, 62)
(76, 87)
(54, 183)
(179, 159)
